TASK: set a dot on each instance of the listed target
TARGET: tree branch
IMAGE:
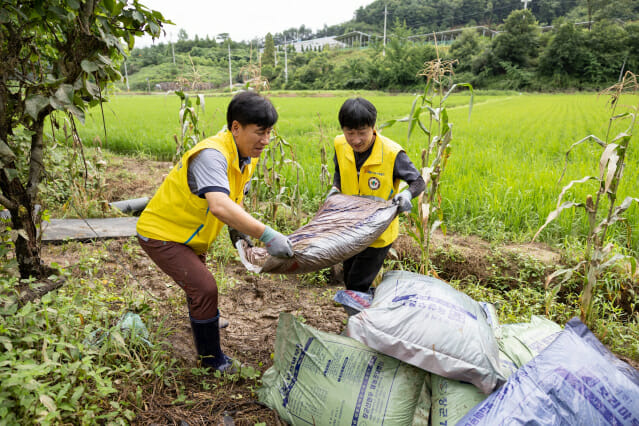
(8, 203)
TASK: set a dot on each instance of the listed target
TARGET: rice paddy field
(501, 181)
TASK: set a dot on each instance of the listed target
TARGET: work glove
(236, 235)
(276, 244)
(333, 191)
(403, 201)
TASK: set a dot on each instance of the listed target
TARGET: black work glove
(237, 235)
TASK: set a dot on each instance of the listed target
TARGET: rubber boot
(206, 334)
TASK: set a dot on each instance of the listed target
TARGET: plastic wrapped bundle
(575, 380)
(425, 322)
(344, 226)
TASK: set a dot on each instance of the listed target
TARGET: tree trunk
(24, 219)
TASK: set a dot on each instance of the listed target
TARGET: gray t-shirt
(208, 172)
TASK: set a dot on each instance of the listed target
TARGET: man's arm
(222, 207)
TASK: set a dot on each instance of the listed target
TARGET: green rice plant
(602, 211)
(438, 132)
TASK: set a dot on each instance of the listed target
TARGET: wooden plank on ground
(58, 230)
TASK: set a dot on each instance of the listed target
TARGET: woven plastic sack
(344, 226)
(422, 409)
(574, 381)
(425, 322)
(325, 379)
(451, 400)
(522, 342)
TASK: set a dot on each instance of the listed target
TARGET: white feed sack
(319, 378)
(425, 322)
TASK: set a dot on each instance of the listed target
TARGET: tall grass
(501, 181)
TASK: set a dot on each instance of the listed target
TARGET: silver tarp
(344, 226)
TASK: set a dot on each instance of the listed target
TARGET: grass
(501, 181)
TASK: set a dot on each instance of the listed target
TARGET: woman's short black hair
(356, 113)
(251, 108)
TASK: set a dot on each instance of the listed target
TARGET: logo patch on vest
(373, 183)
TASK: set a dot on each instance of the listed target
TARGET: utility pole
(385, 13)
(525, 2)
(172, 50)
(230, 73)
(285, 62)
(126, 76)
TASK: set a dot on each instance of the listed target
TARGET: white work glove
(403, 201)
(276, 244)
(333, 191)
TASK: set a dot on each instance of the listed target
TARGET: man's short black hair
(356, 113)
(251, 108)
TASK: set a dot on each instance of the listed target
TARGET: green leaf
(137, 15)
(48, 402)
(110, 5)
(34, 104)
(64, 94)
(73, 4)
(154, 29)
(89, 66)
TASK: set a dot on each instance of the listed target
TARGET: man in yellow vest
(202, 193)
(369, 164)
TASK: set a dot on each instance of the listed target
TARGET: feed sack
(575, 380)
(523, 341)
(451, 400)
(425, 322)
(422, 409)
(344, 226)
(325, 379)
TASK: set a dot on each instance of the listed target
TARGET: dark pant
(361, 269)
(189, 271)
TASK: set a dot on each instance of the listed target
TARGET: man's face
(250, 139)
(359, 139)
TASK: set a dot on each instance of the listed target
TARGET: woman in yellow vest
(201, 194)
(369, 164)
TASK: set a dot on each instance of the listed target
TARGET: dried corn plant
(326, 180)
(602, 209)
(428, 113)
(270, 188)
(189, 117)
(252, 77)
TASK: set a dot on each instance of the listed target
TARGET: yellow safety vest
(375, 176)
(176, 214)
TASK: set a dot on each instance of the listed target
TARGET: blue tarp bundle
(575, 380)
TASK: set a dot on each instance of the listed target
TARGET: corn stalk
(599, 255)
(428, 113)
(189, 116)
(270, 186)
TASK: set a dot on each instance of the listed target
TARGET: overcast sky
(248, 19)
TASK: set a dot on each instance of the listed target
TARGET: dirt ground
(251, 303)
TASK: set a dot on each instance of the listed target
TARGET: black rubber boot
(206, 334)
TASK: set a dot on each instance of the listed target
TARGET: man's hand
(236, 235)
(276, 244)
(403, 201)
